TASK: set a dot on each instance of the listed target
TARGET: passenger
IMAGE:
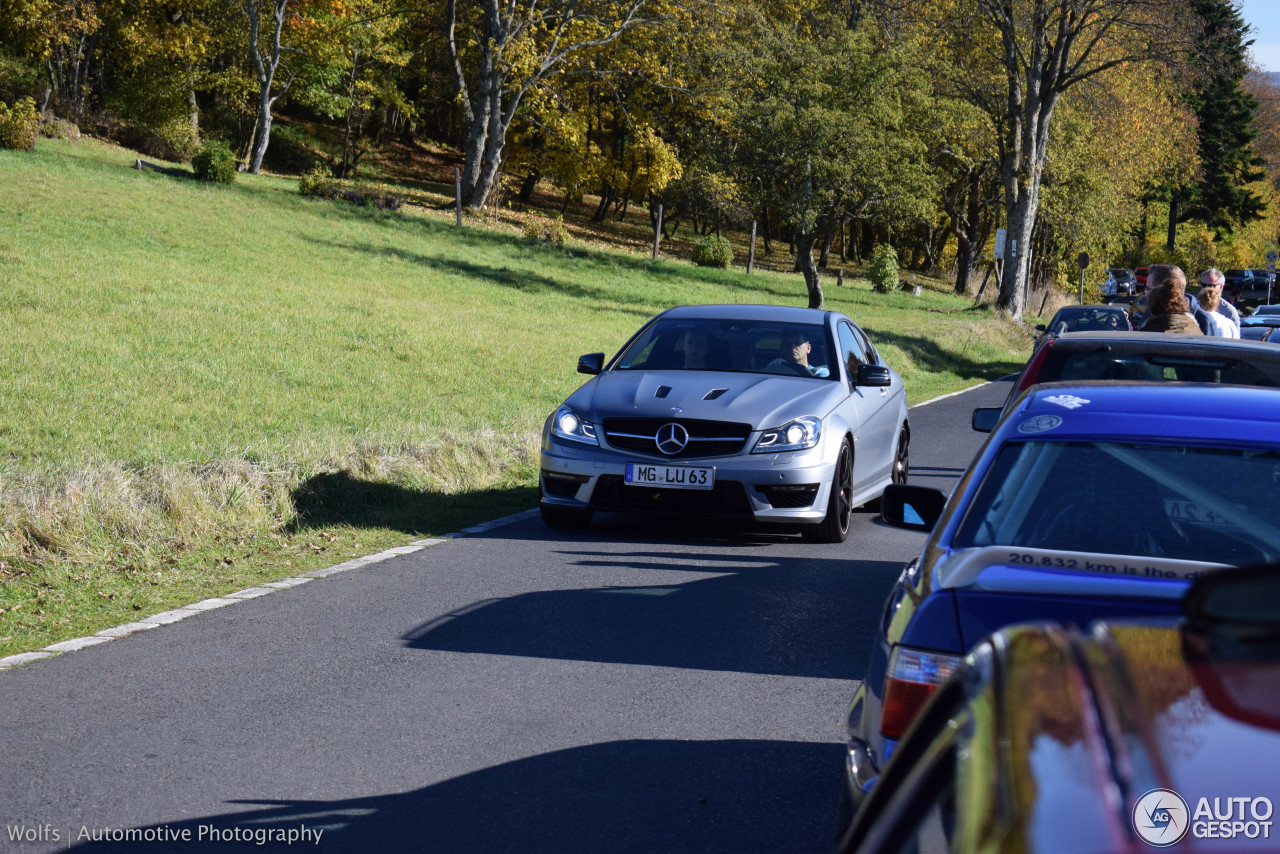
(1167, 306)
(1215, 279)
(796, 349)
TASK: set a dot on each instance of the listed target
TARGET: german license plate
(670, 477)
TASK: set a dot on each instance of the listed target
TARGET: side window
(873, 358)
(852, 350)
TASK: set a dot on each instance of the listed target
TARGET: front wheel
(835, 527)
(902, 457)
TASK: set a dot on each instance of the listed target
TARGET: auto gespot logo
(1161, 818)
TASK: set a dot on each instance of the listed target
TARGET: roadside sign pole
(1272, 256)
(1083, 260)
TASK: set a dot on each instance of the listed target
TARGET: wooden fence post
(751, 253)
(457, 194)
(657, 233)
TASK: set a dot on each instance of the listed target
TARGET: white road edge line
(177, 614)
(952, 394)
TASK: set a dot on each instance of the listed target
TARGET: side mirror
(872, 375)
(591, 363)
(986, 418)
(1237, 600)
(912, 508)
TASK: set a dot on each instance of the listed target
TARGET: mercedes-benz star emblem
(671, 438)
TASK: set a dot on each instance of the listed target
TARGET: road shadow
(733, 796)
(780, 616)
(338, 498)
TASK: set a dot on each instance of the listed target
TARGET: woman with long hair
(1167, 306)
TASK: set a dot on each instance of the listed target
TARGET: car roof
(749, 313)
(1142, 341)
(1205, 413)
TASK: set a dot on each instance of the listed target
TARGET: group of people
(1171, 309)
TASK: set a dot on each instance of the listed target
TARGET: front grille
(801, 495)
(728, 498)
(706, 438)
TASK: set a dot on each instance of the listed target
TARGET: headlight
(797, 435)
(567, 425)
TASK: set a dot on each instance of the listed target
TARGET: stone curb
(166, 618)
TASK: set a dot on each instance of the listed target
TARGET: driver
(795, 351)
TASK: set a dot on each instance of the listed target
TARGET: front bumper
(779, 488)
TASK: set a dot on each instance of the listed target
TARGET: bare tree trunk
(806, 265)
(265, 64)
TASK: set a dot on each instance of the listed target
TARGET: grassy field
(208, 386)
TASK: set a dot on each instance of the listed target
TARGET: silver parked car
(781, 415)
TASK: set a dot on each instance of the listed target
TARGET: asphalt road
(635, 687)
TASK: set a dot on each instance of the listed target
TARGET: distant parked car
(1240, 280)
(1263, 278)
(1126, 282)
(1140, 276)
(1076, 318)
(1049, 738)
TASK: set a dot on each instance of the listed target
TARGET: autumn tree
(827, 125)
(1264, 89)
(499, 50)
(355, 50)
(59, 36)
(1221, 197)
(1040, 50)
(1100, 163)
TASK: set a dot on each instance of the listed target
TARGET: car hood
(761, 400)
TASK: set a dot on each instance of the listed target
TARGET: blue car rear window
(1212, 504)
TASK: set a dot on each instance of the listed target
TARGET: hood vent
(714, 393)
(663, 391)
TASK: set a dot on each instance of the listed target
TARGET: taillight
(913, 675)
(1032, 371)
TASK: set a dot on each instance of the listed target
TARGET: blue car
(1089, 501)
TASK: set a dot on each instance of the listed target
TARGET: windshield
(788, 349)
(1081, 319)
(1219, 505)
